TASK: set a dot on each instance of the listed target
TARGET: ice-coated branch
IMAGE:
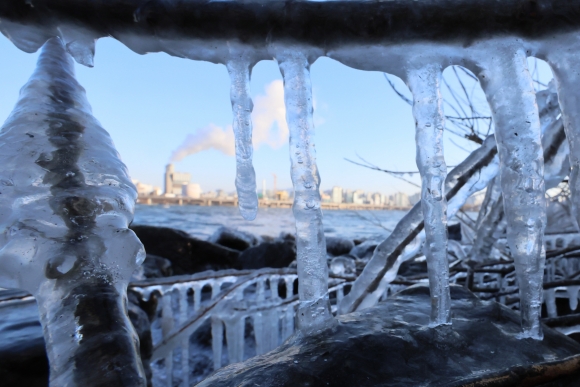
(66, 201)
(239, 68)
(508, 86)
(314, 306)
(430, 121)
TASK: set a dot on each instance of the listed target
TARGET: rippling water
(201, 222)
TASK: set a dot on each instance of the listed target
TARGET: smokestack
(169, 179)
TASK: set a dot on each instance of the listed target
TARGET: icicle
(273, 321)
(288, 283)
(564, 65)
(80, 44)
(169, 369)
(508, 86)
(185, 364)
(235, 327)
(550, 300)
(196, 296)
(183, 307)
(217, 341)
(573, 296)
(314, 306)
(430, 121)
(288, 322)
(260, 290)
(240, 72)
(167, 319)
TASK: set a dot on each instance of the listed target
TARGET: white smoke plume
(268, 110)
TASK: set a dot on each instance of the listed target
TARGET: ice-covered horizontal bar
(322, 24)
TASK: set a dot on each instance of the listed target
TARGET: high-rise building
(336, 195)
(174, 181)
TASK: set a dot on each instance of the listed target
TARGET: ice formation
(239, 68)
(430, 121)
(314, 306)
(407, 39)
(508, 86)
(66, 201)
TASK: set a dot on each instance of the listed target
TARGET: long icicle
(508, 86)
(314, 307)
(430, 121)
(239, 69)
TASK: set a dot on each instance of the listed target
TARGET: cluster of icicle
(499, 63)
(65, 204)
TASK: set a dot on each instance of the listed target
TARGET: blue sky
(150, 104)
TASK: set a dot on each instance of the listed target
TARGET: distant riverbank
(263, 203)
(201, 222)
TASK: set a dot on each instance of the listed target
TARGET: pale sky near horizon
(151, 104)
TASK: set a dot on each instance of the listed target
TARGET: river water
(201, 222)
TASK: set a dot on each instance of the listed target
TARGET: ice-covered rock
(389, 345)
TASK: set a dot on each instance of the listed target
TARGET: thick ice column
(314, 305)
(239, 68)
(508, 86)
(430, 121)
(66, 201)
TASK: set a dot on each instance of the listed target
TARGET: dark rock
(454, 232)
(155, 266)
(187, 255)
(364, 250)
(234, 239)
(338, 246)
(270, 254)
(391, 345)
(23, 361)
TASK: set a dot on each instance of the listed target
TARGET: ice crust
(500, 64)
(66, 201)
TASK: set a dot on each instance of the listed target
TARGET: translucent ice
(239, 69)
(429, 119)
(508, 86)
(314, 306)
(65, 203)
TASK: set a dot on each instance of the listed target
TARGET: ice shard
(65, 203)
(430, 121)
(314, 308)
(239, 69)
(508, 86)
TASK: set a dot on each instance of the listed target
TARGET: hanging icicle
(239, 68)
(314, 306)
(508, 86)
